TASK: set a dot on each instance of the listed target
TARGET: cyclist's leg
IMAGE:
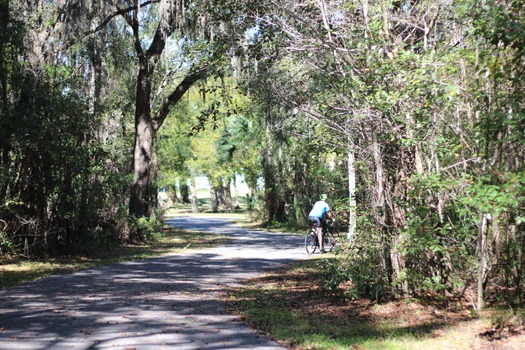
(319, 228)
(320, 233)
(314, 222)
(329, 240)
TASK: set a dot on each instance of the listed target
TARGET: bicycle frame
(312, 238)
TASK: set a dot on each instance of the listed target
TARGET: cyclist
(317, 214)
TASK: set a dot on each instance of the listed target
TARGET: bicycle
(311, 242)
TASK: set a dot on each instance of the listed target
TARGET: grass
(288, 305)
(16, 271)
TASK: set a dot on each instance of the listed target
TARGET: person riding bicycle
(317, 214)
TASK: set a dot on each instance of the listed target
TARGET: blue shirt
(320, 207)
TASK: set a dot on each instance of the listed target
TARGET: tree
(54, 180)
(379, 76)
(171, 16)
(146, 123)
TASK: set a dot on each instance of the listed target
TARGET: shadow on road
(159, 303)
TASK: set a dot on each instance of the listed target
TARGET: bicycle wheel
(329, 241)
(310, 241)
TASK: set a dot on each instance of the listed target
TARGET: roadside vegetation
(291, 306)
(17, 269)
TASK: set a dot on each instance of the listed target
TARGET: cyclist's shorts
(317, 220)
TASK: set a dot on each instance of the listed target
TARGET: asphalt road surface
(170, 302)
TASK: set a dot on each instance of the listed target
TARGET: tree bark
(142, 155)
(269, 178)
(185, 193)
(214, 199)
(351, 188)
(482, 260)
(4, 20)
(194, 199)
(228, 194)
(4, 144)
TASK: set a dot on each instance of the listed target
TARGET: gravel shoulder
(170, 302)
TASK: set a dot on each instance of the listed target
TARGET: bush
(357, 271)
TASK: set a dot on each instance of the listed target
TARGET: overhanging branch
(119, 12)
(176, 95)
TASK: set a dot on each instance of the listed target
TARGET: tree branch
(119, 12)
(176, 95)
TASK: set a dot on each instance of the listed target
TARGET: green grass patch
(15, 271)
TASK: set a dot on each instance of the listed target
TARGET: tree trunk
(194, 199)
(236, 192)
(214, 199)
(482, 260)
(4, 144)
(185, 193)
(351, 189)
(172, 195)
(397, 213)
(228, 194)
(4, 21)
(144, 135)
(269, 178)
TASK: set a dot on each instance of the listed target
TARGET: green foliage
(358, 270)
(144, 229)
(497, 194)
(6, 245)
(499, 23)
(61, 185)
(427, 96)
(436, 243)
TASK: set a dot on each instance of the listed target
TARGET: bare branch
(119, 12)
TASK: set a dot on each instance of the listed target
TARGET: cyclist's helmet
(324, 197)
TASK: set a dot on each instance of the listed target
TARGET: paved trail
(160, 303)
